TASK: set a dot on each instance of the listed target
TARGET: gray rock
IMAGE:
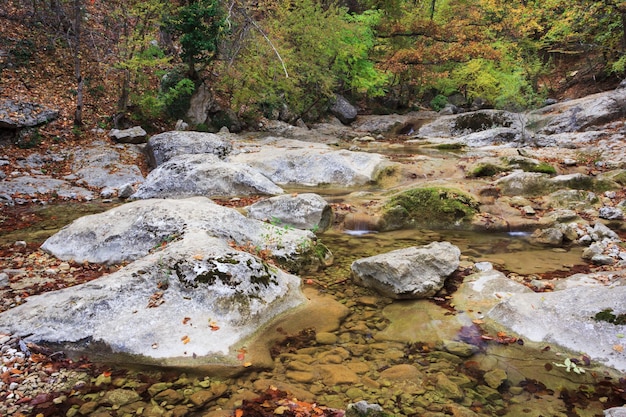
(195, 297)
(132, 230)
(181, 125)
(414, 272)
(312, 164)
(527, 184)
(18, 115)
(602, 260)
(34, 186)
(164, 146)
(611, 213)
(616, 411)
(101, 165)
(302, 211)
(204, 175)
(4, 279)
(572, 200)
(581, 114)
(551, 236)
(343, 110)
(566, 318)
(134, 135)
(125, 191)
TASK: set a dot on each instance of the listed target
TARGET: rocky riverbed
(553, 176)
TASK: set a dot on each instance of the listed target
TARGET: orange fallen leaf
(198, 257)
(185, 339)
(238, 412)
(186, 320)
(213, 326)
(478, 321)
(618, 348)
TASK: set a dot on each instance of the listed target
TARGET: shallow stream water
(399, 354)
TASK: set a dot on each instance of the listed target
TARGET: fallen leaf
(198, 257)
(213, 326)
(478, 321)
(185, 339)
(186, 320)
(618, 348)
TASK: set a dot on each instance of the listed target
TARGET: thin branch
(272, 45)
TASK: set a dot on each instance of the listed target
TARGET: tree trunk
(78, 114)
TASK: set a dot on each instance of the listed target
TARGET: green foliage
(502, 85)
(438, 102)
(172, 101)
(199, 24)
(321, 51)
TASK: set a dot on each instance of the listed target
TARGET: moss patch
(543, 167)
(450, 146)
(485, 170)
(433, 206)
(608, 316)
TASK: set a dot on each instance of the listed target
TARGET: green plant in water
(450, 146)
(570, 366)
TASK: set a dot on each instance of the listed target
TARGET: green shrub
(439, 102)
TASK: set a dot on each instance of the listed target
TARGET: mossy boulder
(485, 169)
(529, 165)
(433, 206)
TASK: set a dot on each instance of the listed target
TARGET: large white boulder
(190, 303)
(415, 272)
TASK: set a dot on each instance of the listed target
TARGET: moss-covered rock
(433, 206)
(485, 170)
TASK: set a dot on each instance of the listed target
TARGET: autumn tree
(292, 57)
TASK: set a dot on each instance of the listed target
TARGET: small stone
(461, 349)
(495, 378)
(88, 408)
(170, 396)
(325, 338)
(4, 279)
(125, 191)
(199, 398)
(602, 260)
(154, 389)
(448, 388)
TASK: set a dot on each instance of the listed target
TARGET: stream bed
(413, 358)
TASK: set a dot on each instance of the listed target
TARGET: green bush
(439, 102)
